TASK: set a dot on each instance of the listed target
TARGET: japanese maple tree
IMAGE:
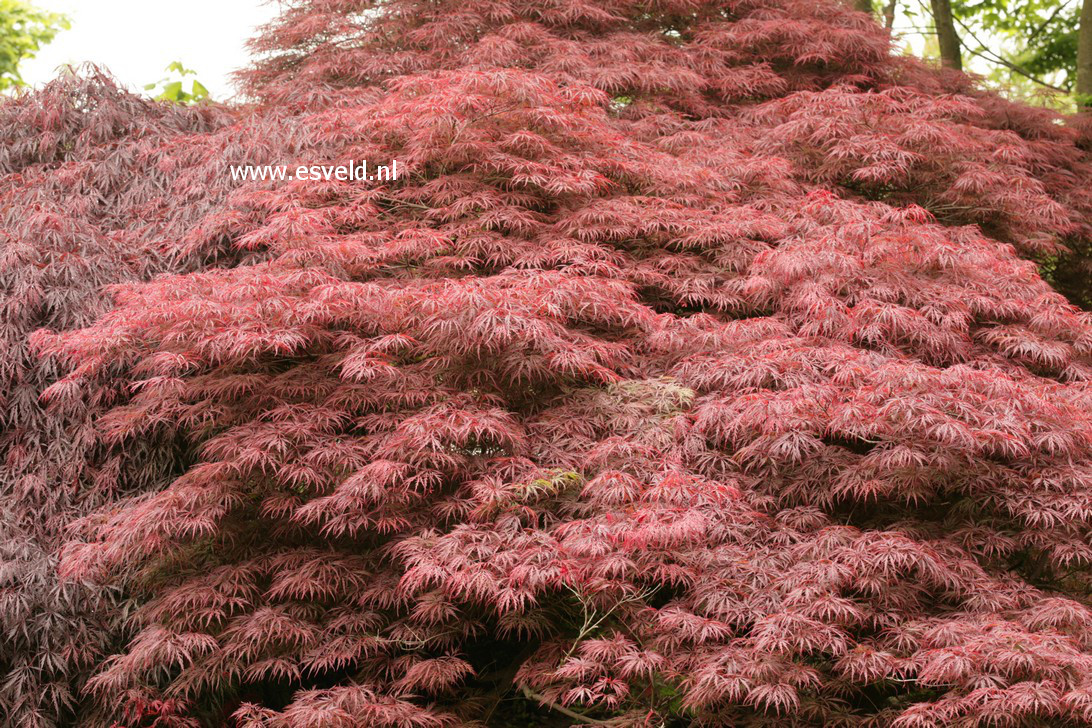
(702, 367)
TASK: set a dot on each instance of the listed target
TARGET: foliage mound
(703, 367)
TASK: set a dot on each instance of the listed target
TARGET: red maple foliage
(698, 370)
(79, 209)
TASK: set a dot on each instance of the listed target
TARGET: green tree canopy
(1042, 33)
(24, 29)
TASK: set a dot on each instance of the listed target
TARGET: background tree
(24, 29)
(1084, 56)
(1028, 47)
(951, 52)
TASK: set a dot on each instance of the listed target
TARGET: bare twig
(592, 619)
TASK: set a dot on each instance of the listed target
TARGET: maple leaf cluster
(702, 368)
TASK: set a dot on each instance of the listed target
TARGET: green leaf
(171, 91)
(24, 30)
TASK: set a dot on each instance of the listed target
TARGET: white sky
(136, 39)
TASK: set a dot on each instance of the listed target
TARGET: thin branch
(1042, 26)
(1016, 69)
(467, 122)
(592, 620)
(994, 58)
(404, 203)
(561, 708)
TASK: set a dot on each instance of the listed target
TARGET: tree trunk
(950, 55)
(1084, 56)
(889, 15)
